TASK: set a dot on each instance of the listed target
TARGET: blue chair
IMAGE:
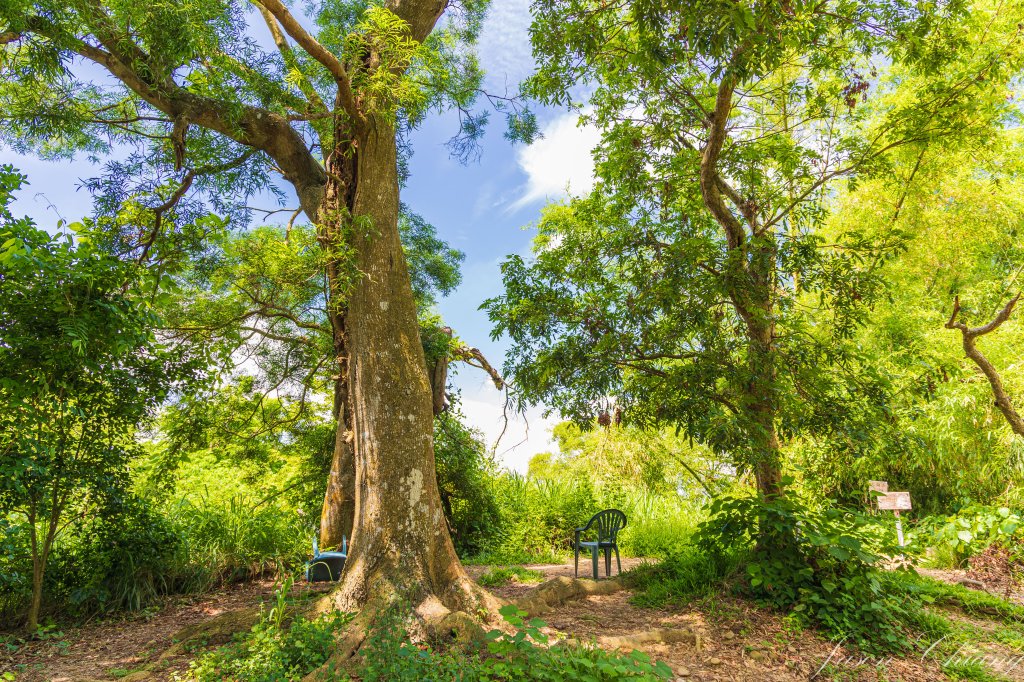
(326, 566)
(607, 525)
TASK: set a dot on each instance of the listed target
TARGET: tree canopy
(695, 287)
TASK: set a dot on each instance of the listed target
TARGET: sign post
(876, 487)
(895, 502)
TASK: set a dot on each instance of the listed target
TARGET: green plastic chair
(607, 525)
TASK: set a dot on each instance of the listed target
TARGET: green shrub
(821, 564)
(15, 569)
(277, 649)
(120, 560)
(134, 551)
(954, 539)
(685, 574)
(465, 471)
(503, 574)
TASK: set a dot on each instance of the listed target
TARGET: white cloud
(525, 435)
(504, 45)
(560, 162)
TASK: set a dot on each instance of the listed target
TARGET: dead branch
(474, 358)
(970, 334)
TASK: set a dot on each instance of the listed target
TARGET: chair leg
(577, 561)
(607, 562)
(617, 559)
(593, 560)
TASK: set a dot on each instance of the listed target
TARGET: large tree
(694, 286)
(259, 298)
(212, 112)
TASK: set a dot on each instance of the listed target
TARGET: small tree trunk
(40, 555)
(32, 619)
(400, 547)
(767, 452)
(756, 291)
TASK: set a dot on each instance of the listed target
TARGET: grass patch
(500, 575)
(970, 670)
(974, 602)
(516, 557)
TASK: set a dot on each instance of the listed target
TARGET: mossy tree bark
(400, 544)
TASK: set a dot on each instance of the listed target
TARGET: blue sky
(485, 208)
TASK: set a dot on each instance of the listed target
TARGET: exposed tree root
(429, 621)
(216, 631)
(559, 590)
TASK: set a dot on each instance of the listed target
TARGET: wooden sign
(878, 486)
(894, 501)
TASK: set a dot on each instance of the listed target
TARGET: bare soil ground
(735, 641)
(115, 649)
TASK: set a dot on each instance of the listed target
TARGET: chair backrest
(607, 523)
(316, 546)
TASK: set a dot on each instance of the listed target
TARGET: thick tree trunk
(400, 545)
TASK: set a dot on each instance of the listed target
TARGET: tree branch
(246, 124)
(473, 357)
(969, 335)
(320, 53)
(710, 183)
(289, 58)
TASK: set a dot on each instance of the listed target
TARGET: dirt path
(115, 649)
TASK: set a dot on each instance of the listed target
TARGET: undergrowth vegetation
(285, 647)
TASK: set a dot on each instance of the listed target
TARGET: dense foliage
(823, 564)
(80, 368)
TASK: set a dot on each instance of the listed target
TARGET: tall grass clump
(239, 538)
(537, 517)
(136, 551)
(660, 524)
